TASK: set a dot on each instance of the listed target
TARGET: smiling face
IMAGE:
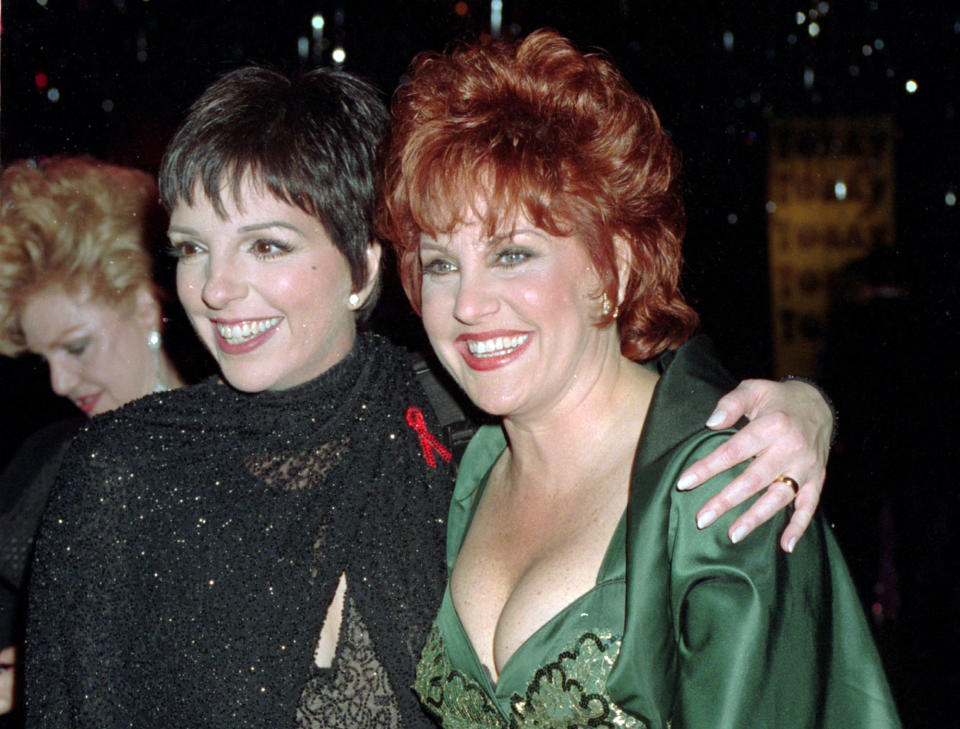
(265, 288)
(96, 351)
(514, 317)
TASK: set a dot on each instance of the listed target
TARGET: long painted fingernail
(791, 544)
(706, 519)
(687, 482)
(717, 417)
(739, 533)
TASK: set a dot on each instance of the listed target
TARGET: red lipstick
(492, 350)
(88, 403)
(242, 347)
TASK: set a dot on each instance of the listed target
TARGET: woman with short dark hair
(261, 549)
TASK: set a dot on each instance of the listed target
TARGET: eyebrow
(253, 227)
(509, 235)
(59, 339)
(493, 240)
(271, 224)
(431, 243)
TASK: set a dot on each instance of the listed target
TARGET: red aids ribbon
(428, 441)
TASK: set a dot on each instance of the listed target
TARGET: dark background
(112, 78)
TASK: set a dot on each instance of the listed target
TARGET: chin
(247, 381)
(492, 403)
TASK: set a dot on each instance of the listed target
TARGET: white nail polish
(716, 418)
(791, 544)
(686, 482)
(706, 519)
(738, 534)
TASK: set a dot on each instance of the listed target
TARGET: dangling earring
(155, 344)
(605, 304)
(354, 300)
(606, 308)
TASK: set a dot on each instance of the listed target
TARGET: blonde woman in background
(77, 288)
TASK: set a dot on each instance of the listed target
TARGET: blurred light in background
(496, 17)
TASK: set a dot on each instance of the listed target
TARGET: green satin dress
(681, 629)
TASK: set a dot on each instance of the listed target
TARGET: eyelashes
(266, 248)
(76, 348)
(438, 267)
(261, 248)
(504, 258)
(511, 257)
(182, 249)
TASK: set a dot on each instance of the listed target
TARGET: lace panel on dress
(355, 692)
(568, 692)
(298, 470)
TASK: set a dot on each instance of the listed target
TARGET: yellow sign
(830, 192)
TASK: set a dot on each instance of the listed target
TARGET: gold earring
(605, 304)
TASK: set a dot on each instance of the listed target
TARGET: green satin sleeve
(748, 636)
(744, 619)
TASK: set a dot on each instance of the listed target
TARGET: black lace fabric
(195, 538)
(355, 691)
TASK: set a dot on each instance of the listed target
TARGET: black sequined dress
(195, 539)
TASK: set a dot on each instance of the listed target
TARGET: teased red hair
(538, 126)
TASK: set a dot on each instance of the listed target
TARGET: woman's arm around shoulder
(788, 438)
(766, 638)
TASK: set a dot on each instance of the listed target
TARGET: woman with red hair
(535, 205)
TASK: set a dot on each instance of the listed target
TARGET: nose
(63, 377)
(223, 283)
(475, 299)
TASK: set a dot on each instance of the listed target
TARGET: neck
(597, 426)
(167, 374)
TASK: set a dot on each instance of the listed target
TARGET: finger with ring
(782, 478)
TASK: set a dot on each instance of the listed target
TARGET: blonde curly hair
(78, 223)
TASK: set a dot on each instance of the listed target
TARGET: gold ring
(789, 482)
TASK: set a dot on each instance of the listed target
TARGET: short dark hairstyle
(539, 126)
(311, 140)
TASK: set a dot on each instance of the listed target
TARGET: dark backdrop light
(112, 78)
